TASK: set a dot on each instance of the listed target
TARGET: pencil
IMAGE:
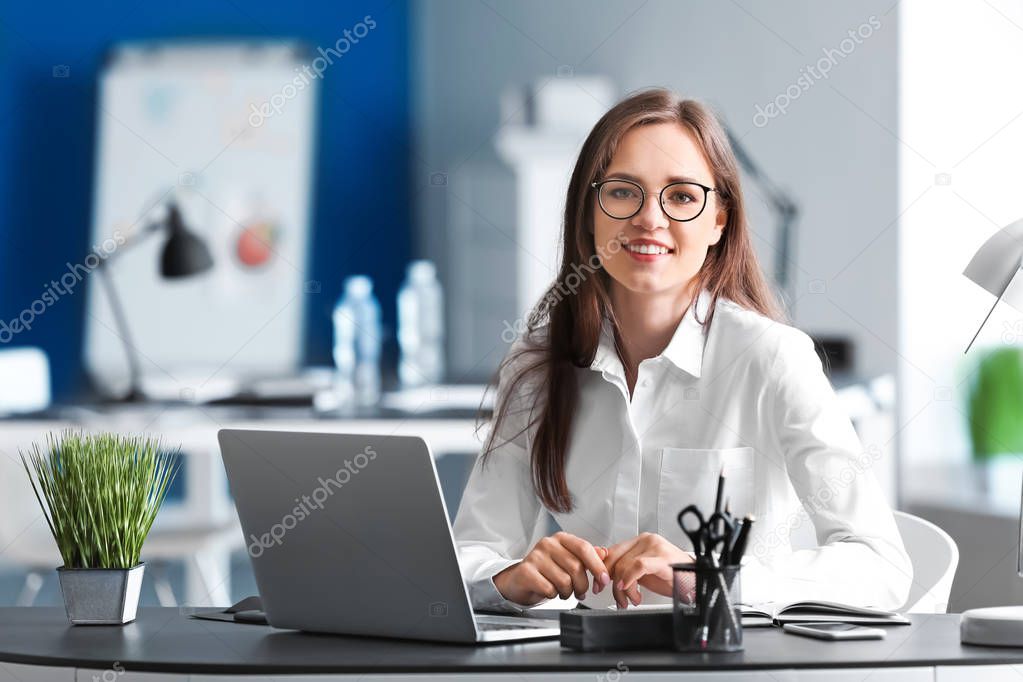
(721, 490)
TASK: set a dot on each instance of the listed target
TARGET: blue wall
(361, 218)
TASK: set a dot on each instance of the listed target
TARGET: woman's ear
(719, 225)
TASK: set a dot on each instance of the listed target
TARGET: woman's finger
(616, 552)
(643, 566)
(587, 554)
(621, 600)
(605, 578)
(617, 572)
(556, 575)
(575, 569)
(634, 595)
(536, 582)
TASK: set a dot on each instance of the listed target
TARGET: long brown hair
(573, 322)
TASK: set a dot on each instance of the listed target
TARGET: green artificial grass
(100, 494)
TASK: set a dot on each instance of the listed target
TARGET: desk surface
(165, 640)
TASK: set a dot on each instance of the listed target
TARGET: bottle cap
(421, 271)
(358, 286)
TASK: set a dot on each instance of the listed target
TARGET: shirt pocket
(690, 476)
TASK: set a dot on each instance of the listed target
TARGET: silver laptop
(349, 534)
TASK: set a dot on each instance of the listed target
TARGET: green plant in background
(101, 492)
(996, 404)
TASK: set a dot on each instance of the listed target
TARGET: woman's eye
(622, 194)
(681, 198)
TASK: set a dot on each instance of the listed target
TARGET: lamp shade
(184, 253)
(996, 263)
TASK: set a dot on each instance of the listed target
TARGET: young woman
(655, 360)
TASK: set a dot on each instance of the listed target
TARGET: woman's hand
(556, 566)
(644, 560)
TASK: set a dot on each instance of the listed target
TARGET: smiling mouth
(648, 249)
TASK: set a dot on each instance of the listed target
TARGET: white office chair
(935, 556)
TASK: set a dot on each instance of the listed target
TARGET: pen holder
(706, 611)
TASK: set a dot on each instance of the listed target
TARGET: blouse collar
(685, 350)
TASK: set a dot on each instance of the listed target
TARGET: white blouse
(750, 396)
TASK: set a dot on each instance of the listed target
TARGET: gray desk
(38, 644)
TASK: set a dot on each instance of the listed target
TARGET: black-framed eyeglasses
(622, 199)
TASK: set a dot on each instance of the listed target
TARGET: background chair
(935, 556)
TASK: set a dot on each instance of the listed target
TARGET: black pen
(739, 548)
(729, 547)
(721, 490)
(726, 548)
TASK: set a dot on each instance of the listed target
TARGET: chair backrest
(24, 535)
(26, 384)
(935, 557)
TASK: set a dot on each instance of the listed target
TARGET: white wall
(835, 149)
(961, 116)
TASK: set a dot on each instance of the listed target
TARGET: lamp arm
(151, 227)
(1019, 538)
(139, 237)
(134, 393)
(781, 203)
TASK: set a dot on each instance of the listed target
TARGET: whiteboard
(194, 123)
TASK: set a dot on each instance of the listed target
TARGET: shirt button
(644, 383)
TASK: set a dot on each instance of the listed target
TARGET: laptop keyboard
(491, 622)
(506, 626)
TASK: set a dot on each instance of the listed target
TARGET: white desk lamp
(995, 268)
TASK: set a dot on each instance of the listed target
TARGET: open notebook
(774, 613)
(767, 614)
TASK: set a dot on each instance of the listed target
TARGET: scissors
(706, 534)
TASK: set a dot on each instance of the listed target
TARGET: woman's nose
(651, 216)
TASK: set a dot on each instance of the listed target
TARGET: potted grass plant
(100, 494)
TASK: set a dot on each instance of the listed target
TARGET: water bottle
(421, 326)
(357, 340)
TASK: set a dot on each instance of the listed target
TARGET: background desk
(163, 644)
(198, 524)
